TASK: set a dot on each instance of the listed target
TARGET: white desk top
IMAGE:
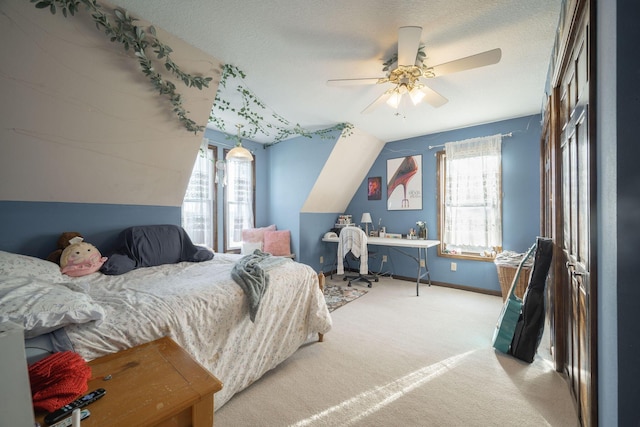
(389, 241)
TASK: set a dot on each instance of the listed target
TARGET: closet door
(549, 223)
(576, 203)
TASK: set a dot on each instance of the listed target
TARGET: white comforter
(200, 307)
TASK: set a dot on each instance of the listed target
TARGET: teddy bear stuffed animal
(63, 242)
(80, 258)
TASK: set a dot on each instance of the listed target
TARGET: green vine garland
(121, 27)
(249, 112)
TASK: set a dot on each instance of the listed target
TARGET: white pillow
(249, 247)
(16, 265)
(42, 307)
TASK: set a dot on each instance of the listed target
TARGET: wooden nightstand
(154, 384)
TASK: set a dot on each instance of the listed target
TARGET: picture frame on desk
(404, 183)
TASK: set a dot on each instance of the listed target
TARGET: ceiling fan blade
(352, 82)
(408, 44)
(375, 104)
(474, 61)
(432, 97)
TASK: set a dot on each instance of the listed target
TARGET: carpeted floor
(394, 359)
(338, 295)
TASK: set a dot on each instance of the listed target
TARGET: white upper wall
(79, 122)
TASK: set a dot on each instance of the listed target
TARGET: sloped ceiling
(342, 174)
(79, 122)
(290, 48)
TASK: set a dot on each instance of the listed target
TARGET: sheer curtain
(239, 203)
(197, 206)
(473, 211)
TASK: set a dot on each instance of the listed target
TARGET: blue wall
(295, 165)
(313, 226)
(619, 206)
(521, 200)
(33, 228)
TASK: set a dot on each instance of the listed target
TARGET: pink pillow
(256, 235)
(277, 242)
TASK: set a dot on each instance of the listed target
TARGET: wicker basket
(506, 275)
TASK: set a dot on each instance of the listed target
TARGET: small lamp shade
(416, 95)
(394, 99)
(366, 220)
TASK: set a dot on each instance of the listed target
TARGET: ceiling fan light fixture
(405, 68)
(394, 99)
(416, 95)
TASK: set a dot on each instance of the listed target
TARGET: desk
(393, 243)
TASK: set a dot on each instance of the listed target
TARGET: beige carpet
(394, 359)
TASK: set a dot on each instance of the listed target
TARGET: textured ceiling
(290, 48)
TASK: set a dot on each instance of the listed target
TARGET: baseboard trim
(453, 286)
(434, 283)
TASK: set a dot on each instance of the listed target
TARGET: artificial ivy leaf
(123, 31)
(139, 33)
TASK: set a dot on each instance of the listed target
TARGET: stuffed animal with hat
(80, 258)
(63, 242)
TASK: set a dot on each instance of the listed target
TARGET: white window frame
(486, 227)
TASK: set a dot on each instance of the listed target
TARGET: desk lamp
(366, 220)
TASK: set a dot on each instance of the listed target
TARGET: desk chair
(353, 243)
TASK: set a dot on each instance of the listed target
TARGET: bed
(197, 304)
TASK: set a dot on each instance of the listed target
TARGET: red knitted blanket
(58, 379)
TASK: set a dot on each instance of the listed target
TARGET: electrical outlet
(422, 264)
(384, 258)
(321, 259)
(454, 266)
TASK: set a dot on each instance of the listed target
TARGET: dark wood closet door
(550, 189)
(574, 266)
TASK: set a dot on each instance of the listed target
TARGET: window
(239, 201)
(199, 211)
(198, 206)
(470, 198)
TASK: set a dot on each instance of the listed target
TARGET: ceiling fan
(406, 74)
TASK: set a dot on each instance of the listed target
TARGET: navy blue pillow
(117, 264)
(150, 245)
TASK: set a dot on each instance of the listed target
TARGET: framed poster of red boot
(404, 183)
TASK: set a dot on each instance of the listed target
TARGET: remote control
(81, 402)
(69, 421)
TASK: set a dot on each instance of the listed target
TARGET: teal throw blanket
(250, 274)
